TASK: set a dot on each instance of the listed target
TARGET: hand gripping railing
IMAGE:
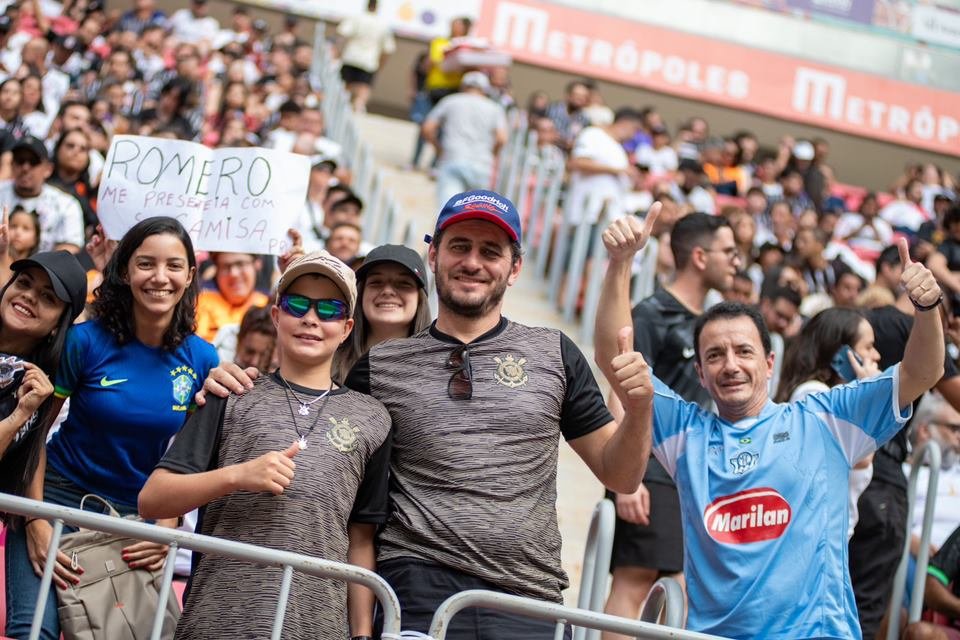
(665, 599)
(596, 564)
(550, 611)
(928, 452)
(205, 544)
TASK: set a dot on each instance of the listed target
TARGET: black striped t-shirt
(341, 476)
(473, 482)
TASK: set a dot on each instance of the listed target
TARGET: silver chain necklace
(304, 408)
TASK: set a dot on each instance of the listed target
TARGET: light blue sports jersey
(764, 505)
(125, 404)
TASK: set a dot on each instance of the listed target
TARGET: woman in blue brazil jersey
(130, 373)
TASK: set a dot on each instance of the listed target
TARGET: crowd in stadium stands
(755, 237)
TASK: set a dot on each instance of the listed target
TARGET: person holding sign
(298, 464)
(130, 374)
(762, 485)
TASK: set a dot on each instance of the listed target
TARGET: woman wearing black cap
(43, 297)
(391, 288)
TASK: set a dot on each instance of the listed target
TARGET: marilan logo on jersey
(748, 516)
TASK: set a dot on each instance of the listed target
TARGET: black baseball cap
(404, 256)
(689, 164)
(33, 144)
(68, 278)
(351, 198)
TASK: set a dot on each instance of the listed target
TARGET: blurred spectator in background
(367, 43)
(601, 174)
(232, 293)
(689, 188)
(906, 214)
(474, 127)
(344, 242)
(194, 24)
(658, 157)
(439, 83)
(567, 114)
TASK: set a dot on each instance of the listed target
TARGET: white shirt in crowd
(589, 192)
(659, 161)
(368, 37)
(186, 27)
(873, 238)
(61, 218)
(904, 214)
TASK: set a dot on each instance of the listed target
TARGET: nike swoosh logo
(109, 383)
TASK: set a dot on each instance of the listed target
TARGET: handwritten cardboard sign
(241, 200)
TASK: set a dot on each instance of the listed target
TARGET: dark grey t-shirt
(473, 482)
(341, 476)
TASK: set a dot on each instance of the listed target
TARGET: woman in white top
(808, 367)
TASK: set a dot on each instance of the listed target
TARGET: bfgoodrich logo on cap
(476, 197)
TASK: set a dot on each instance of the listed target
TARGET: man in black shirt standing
(879, 536)
(648, 540)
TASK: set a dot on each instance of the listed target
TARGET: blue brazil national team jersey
(125, 404)
(764, 504)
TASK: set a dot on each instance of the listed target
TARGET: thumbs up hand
(627, 235)
(917, 281)
(632, 381)
(271, 472)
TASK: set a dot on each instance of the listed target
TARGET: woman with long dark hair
(71, 171)
(38, 304)
(131, 373)
(808, 368)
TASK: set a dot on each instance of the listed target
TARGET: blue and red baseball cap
(481, 205)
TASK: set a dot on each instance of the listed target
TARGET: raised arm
(617, 453)
(622, 239)
(922, 364)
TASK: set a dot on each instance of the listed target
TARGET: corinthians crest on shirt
(748, 516)
(510, 371)
(182, 380)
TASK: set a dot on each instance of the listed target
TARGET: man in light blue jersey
(762, 485)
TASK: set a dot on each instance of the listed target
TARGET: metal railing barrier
(596, 564)
(666, 600)
(551, 611)
(206, 544)
(928, 452)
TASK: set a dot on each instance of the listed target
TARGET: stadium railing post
(596, 564)
(551, 611)
(317, 567)
(928, 452)
(666, 597)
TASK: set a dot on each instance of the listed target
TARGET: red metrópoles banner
(699, 68)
